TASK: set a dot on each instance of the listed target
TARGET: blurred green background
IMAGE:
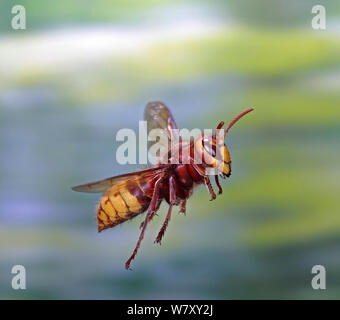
(84, 69)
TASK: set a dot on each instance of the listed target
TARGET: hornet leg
(218, 185)
(209, 187)
(151, 209)
(168, 216)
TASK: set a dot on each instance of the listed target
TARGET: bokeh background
(84, 69)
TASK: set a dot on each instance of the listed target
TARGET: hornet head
(212, 150)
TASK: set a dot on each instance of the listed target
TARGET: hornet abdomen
(123, 201)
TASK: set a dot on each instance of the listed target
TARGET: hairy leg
(151, 210)
(209, 187)
(172, 201)
(220, 190)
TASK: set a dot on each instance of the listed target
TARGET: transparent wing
(103, 185)
(158, 116)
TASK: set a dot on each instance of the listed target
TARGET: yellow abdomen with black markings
(122, 202)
